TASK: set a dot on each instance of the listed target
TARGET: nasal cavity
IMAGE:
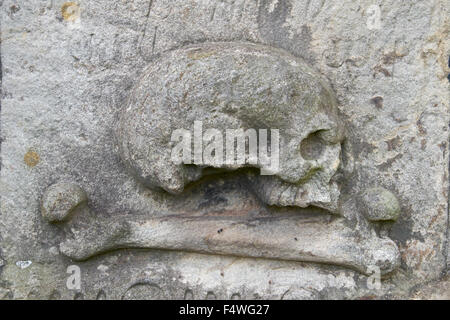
(312, 147)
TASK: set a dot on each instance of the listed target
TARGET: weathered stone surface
(297, 240)
(379, 204)
(436, 290)
(68, 71)
(60, 201)
(228, 86)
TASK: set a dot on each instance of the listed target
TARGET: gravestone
(123, 124)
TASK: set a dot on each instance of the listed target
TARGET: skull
(232, 86)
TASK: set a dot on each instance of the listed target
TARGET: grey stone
(68, 72)
(231, 86)
(303, 240)
(60, 201)
(379, 204)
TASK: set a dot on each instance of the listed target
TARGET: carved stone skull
(232, 86)
(236, 86)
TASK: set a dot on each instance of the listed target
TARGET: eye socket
(312, 147)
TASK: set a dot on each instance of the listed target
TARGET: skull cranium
(230, 86)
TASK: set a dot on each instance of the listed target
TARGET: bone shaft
(260, 239)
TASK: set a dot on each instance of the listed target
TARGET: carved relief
(232, 86)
